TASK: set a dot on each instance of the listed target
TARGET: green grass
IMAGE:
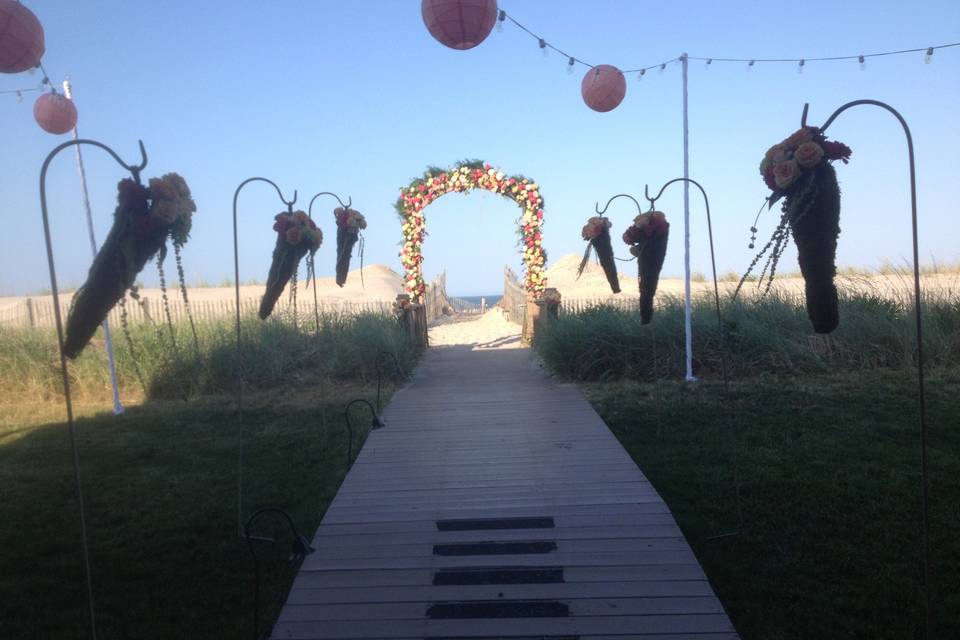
(825, 434)
(161, 495)
(762, 335)
(828, 469)
(159, 366)
(160, 482)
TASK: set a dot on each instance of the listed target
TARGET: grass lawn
(830, 493)
(161, 495)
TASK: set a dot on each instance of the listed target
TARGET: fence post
(30, 313)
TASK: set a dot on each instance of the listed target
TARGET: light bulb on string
(19, 96)
(642, 73)
(863, 63)
(928, 56)
(801, 65)
(663, 66)
(570, 66)
(500, 20)
(543, 47)
(750, 64)
(707, 64)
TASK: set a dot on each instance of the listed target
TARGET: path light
(376, 423)
(55, 113)
(459, 24)
(603, 88)
(21, 38)
(299, 550)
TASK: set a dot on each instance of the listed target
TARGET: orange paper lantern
(603, 88)
(55, 113)
(459, 24)
(21, 38)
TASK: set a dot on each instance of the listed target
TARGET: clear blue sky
(357, 98)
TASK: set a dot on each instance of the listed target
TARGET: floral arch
(461, 178)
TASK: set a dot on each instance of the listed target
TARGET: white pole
(117, 407)
(688, 321)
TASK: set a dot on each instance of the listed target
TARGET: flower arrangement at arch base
(463, 177)
(297, 235)
(144, 219)
(799, 171)
(647, 237)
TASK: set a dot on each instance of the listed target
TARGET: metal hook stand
(596, 205)
(135, 173)
(300, 549)
(376, 423)
(313, 273)
(724, 369)
(236, 285)
(397, 369)
(921, 386)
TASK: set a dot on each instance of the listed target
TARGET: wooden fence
(514, 301)
(38, 313)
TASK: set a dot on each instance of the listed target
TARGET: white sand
(489, 331)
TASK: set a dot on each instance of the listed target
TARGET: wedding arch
(461, 178)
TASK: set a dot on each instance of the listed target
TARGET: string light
(750, 62)
(863, 63)
(570, 66)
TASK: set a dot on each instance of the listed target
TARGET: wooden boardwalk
(497, 504)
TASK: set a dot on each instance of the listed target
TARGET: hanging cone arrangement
(799, 171)
(297, 235)
(647, 237)
(597, 233)
(143, 220)
(349, 224)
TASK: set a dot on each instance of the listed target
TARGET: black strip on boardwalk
(494, 548)
(487, 524)
(542, 575)
(496, 609)
(503, 638)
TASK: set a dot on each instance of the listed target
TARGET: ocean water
(491, 299)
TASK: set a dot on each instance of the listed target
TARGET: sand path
(489, 331)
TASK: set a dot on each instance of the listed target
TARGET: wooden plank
(476, 435)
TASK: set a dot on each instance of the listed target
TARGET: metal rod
(378, 362)
(687, 296)
(300, 548)
(724, 370)
(921, 383)
(596, 206)
(135, 172)
(377, 423)
(313, 273)
(236, 287)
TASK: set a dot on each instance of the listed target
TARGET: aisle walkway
(497, 504)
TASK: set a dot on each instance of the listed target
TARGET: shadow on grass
(830, 486)
(160, 489)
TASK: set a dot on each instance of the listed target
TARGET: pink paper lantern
(459, 24)
(21, 38)
(55, 113)
(603, 88)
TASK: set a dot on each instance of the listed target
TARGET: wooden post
(530, 319)
(31, 317)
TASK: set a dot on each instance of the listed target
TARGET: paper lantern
(459, 24)
(55, 113)
(603, 87)
(21, 38)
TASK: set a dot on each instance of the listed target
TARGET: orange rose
(786, 173)
(294, 235)
(808, 154)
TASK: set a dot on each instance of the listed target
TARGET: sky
(357, 98)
